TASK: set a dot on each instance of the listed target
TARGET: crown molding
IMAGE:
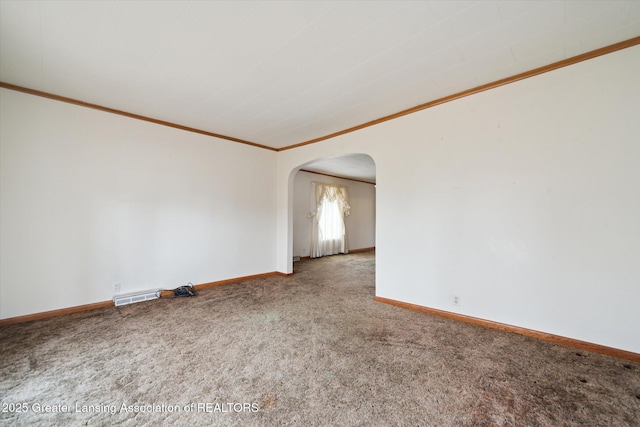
(127, 114)
(512, 79)
(336, 176)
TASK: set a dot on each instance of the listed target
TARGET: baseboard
(55, 313)
(279, 273)
(557, 339)
(355, 251)
(238, 279)
(104, 304)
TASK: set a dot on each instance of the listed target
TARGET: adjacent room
(391, 213)
(358, 213)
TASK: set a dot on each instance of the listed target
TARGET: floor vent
(296, 258)
(130, 298)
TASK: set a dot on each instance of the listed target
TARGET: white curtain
(329, 206)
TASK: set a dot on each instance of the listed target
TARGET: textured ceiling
(280, 73)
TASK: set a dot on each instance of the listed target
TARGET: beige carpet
(312, 349)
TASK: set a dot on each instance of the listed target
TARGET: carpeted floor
(311, 349)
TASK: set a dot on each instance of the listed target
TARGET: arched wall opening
(356, 172)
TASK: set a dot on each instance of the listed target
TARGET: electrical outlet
(456, 300)
(116, 287)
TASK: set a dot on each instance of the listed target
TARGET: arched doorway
(355, 172)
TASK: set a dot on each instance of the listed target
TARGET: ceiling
(280, 73)
(360, 167)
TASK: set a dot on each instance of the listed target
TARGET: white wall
(523, 200)
(360, 224)
(90, 198)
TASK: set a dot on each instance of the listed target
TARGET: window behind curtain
(329, 206)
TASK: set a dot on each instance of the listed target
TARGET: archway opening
(355, 172)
